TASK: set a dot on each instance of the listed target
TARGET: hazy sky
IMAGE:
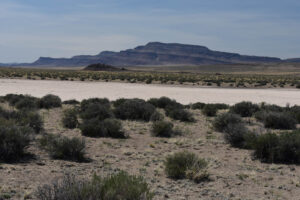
(63, 28)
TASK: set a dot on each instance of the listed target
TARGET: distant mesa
(156, 54)
(103, 67)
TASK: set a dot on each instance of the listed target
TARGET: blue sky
(63, 28)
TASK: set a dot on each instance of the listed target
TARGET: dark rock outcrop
(156, 53)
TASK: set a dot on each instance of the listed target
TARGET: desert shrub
(221, 106)
(115, 187)
(106, 128)
(278, 120)
(163, 129)
(245, 108)
(134, 109)
(156, 116)
(283, 148)
(118, 102)
(50, 101)
(64, 148)
(69, 119)
(12, 99)
(163, 102)
(273, 108)
(295, 112)
(92, 101)
(23, 118)
(31, 119)
(96, 110)
(13, 142)
(27, 102)
(198, 106)
(236, 134)
(261, 115)
(210, 110)
(179, 114)
(186, 165)
(222, 121)
(71, 102)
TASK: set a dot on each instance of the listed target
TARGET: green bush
(134, 109)
(273, 108)
(236, 134)
(156, 116)
(71, 102)
(222, 121)
(13, 142)
(164, 102)
(115, 187)
(106, 128)
(27, 102)
(245, 108)
(92, 101)
(198, 106)
(163, 129)
(283, 148)
(118, 102)
(210, 110)
(50, 101)
(277, 120)
(31, 119)
(60, 147)
(23, 118)
(12, 99)
(185, 165)
(96, 110)
(69, 119)
(221, 106)
(295, 112)
(179, 114)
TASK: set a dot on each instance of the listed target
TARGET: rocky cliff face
(156, 53)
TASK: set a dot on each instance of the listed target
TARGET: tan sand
(183, 94)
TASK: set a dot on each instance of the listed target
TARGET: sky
(64, 28)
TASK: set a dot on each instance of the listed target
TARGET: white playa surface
(183, 94)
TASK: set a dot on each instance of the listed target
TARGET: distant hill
(102, 67)
(155, 54)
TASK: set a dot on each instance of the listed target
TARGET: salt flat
(112, 90)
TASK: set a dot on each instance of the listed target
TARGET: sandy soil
(183, 94)
(234, 174)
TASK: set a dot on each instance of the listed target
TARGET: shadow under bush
(114, 187)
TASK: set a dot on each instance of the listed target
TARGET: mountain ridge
(156, 54)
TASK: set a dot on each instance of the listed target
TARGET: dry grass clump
(64, 148)
(115, 187)
(186, 165)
